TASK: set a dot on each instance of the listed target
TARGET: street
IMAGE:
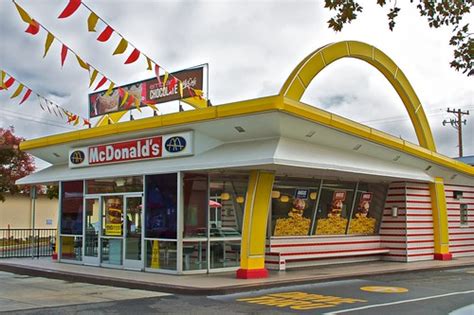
(427, 292)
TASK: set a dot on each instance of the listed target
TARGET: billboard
(149, 91)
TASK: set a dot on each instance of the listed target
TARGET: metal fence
(16, 243)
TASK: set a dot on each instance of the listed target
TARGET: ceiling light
(310, 134)
(397, 158)
(428, 168)
(56, 155)
(357, 147)
(239, 129)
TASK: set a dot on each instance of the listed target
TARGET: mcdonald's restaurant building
(256, 185)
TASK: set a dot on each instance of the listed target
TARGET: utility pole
(457, 124)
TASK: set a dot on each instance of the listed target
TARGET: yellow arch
(304, 73)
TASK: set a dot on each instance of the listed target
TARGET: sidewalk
(216, 283)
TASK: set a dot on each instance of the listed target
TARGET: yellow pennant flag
(124, 99)
(92, 22)
(2, 82)
(199, 93)
(47, 44)
(93, 77)
(19, 89)
(121, 47)
(109, 90)
(76, 122)
(181, 89)
(83, 64)
(137, 104)
(24, 16)
(165, 78)
(152, 106)
(148, 61)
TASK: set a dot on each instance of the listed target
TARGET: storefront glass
(161, 206)
(293, 205)
(368, 209)
(115, 185)
(195, 205)
(334, 208)
(304, 207)
(72, 207)
(161, 254)
(71, 248)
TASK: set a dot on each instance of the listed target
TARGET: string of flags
(45, 104)
(123, 44)
(34, 27)
(127, 100)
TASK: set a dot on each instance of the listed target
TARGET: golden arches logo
(77, 157)
(304, 73)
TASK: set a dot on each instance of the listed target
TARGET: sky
(251, 47)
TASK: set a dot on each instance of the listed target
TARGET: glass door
(112, 230)
(133, 229)
(91, 231)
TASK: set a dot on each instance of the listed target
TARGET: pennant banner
(92, 22)
(24, 16)
(105, 35)
(47, 44)
(64, 50)
(101, 82)
(33, 28)
(82, 63)
(121, 47)
(133, 56)
(93, 76)
(72, 6)
(18, 91)
(26, 96)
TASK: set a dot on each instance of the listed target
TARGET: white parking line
(400, 302)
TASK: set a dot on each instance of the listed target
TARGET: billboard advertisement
(147, 91)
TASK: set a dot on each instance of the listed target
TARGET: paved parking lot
(19, 292)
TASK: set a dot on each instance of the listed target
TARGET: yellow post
(257, 205)
(440, 220)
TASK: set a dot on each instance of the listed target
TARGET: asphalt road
(427, 292)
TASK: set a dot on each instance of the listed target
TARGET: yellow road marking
(379, 289)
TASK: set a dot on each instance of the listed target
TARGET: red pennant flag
(130, 101)
(33, 28)
(172, 83)
(87, 122)
(121, 92)
(105, 35)
(71, 7)
(157, 73)
(64, 50)
(101, 82)
(133, 56)
(25, 97)
(9, 82)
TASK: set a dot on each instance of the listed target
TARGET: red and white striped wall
(461, 237)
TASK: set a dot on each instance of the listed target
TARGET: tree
(438, 13)
(14, 164)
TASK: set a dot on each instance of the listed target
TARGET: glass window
(196, 201)
(334, 208)
(161, 206)
(368, 210)
(293, 205)
(194, 255)
(112, 251)
(464, 214)
(71, 248)
(160, 254)
(115, 185)
(72, 207)
(226, 204)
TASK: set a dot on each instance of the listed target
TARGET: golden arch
(303, 74)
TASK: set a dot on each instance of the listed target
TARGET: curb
(196, 291)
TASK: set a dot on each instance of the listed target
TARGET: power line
(25, 117)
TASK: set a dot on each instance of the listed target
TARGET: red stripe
(410, 255)
(462, 251)
(404, 242)
(461, 245)
(324, 258)
(461, 233)
(405, 235)
(326, 252)
(416, 248)
(322, 244)
(418, 188)
(462, 239)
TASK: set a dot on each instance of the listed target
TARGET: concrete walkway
(216, 283)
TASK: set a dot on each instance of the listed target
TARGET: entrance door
(112, 230)
(91, 231)
(133, 229)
